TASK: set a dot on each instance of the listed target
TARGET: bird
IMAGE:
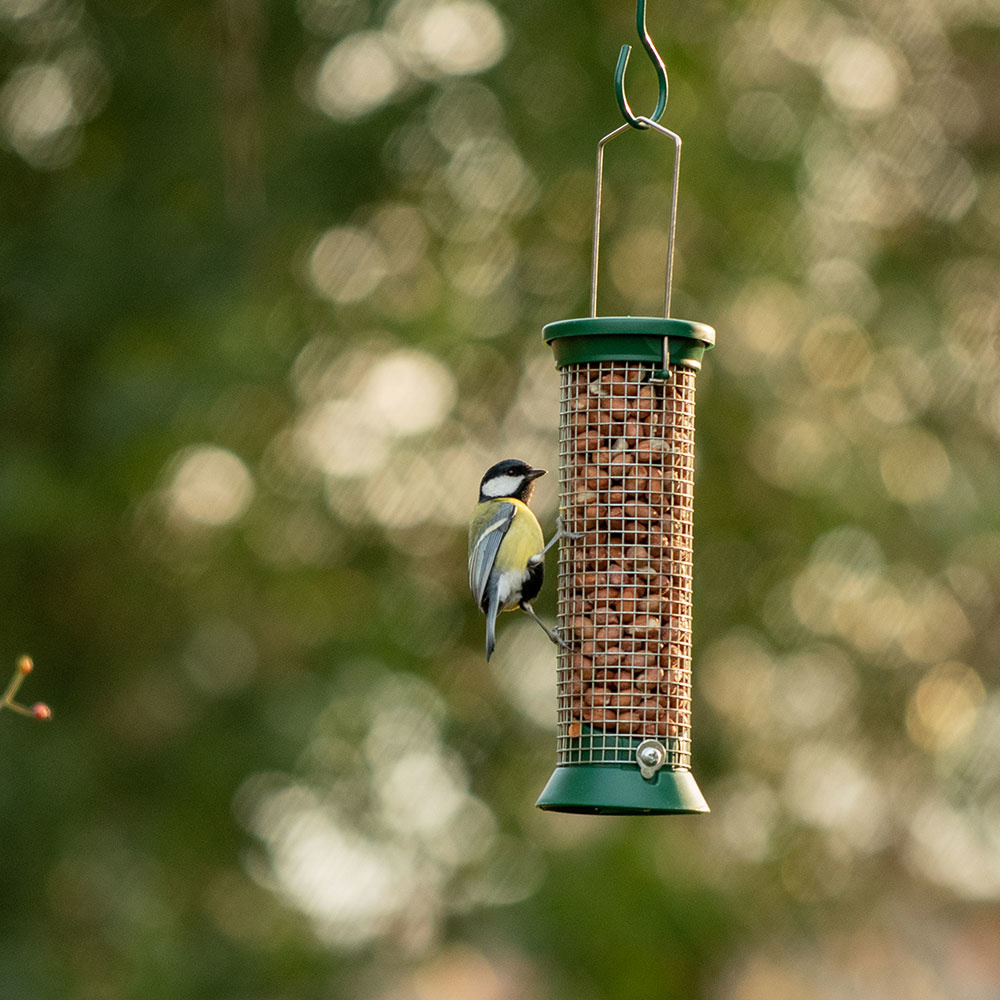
(506, 546)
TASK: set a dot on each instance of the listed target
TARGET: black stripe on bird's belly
(533, 582)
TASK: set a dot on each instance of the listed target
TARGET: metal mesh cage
(626, 446)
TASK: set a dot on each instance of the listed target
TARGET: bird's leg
(561, 532)
(529, 610)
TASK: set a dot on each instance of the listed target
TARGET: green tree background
(272, 281)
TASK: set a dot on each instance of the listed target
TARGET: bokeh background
(272, 283)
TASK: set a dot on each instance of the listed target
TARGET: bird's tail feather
(492, 610)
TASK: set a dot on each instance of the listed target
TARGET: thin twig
(39, 710)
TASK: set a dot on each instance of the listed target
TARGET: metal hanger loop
(646, 123)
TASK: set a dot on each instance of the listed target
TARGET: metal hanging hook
(658, 65)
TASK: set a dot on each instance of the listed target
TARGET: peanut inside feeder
(627, 464)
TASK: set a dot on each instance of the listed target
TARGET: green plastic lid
(629, 338)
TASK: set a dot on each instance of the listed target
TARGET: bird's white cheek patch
(502, 486)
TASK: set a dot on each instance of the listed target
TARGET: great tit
(506, 546)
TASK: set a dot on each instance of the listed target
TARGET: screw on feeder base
(651, 756)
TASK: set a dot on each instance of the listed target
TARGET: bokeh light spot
(860, 76)
(944, 707)
(450, 38)
(408, 392)
(797, 453)
(422, 791)
(36, 105)
(765, 319)
(829, 788)
(479, 269)
(347, 884)
(402, 232)
(404, 492)
(358, 75)
(737, 676)
(347, 264)
(836, 353)
(335, 437)
(914, 465)
(210, 485)
(489, 174)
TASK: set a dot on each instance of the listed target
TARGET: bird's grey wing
(484, 550)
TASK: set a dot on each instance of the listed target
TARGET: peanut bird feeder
(626, 449)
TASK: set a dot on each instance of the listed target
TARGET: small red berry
(24, 665)
(41, 711)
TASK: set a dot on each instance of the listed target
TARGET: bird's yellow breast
(523, 540)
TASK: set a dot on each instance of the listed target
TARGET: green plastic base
(629, 338)
(620, 790)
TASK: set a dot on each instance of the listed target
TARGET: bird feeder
(626, 458)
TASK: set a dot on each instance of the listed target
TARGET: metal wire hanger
(638, 122)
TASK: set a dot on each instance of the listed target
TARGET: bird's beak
(535, 474)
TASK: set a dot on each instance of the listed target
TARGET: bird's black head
(509, 478)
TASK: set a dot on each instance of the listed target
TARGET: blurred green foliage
(272, 280)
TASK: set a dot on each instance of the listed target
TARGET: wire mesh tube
(627, 479)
